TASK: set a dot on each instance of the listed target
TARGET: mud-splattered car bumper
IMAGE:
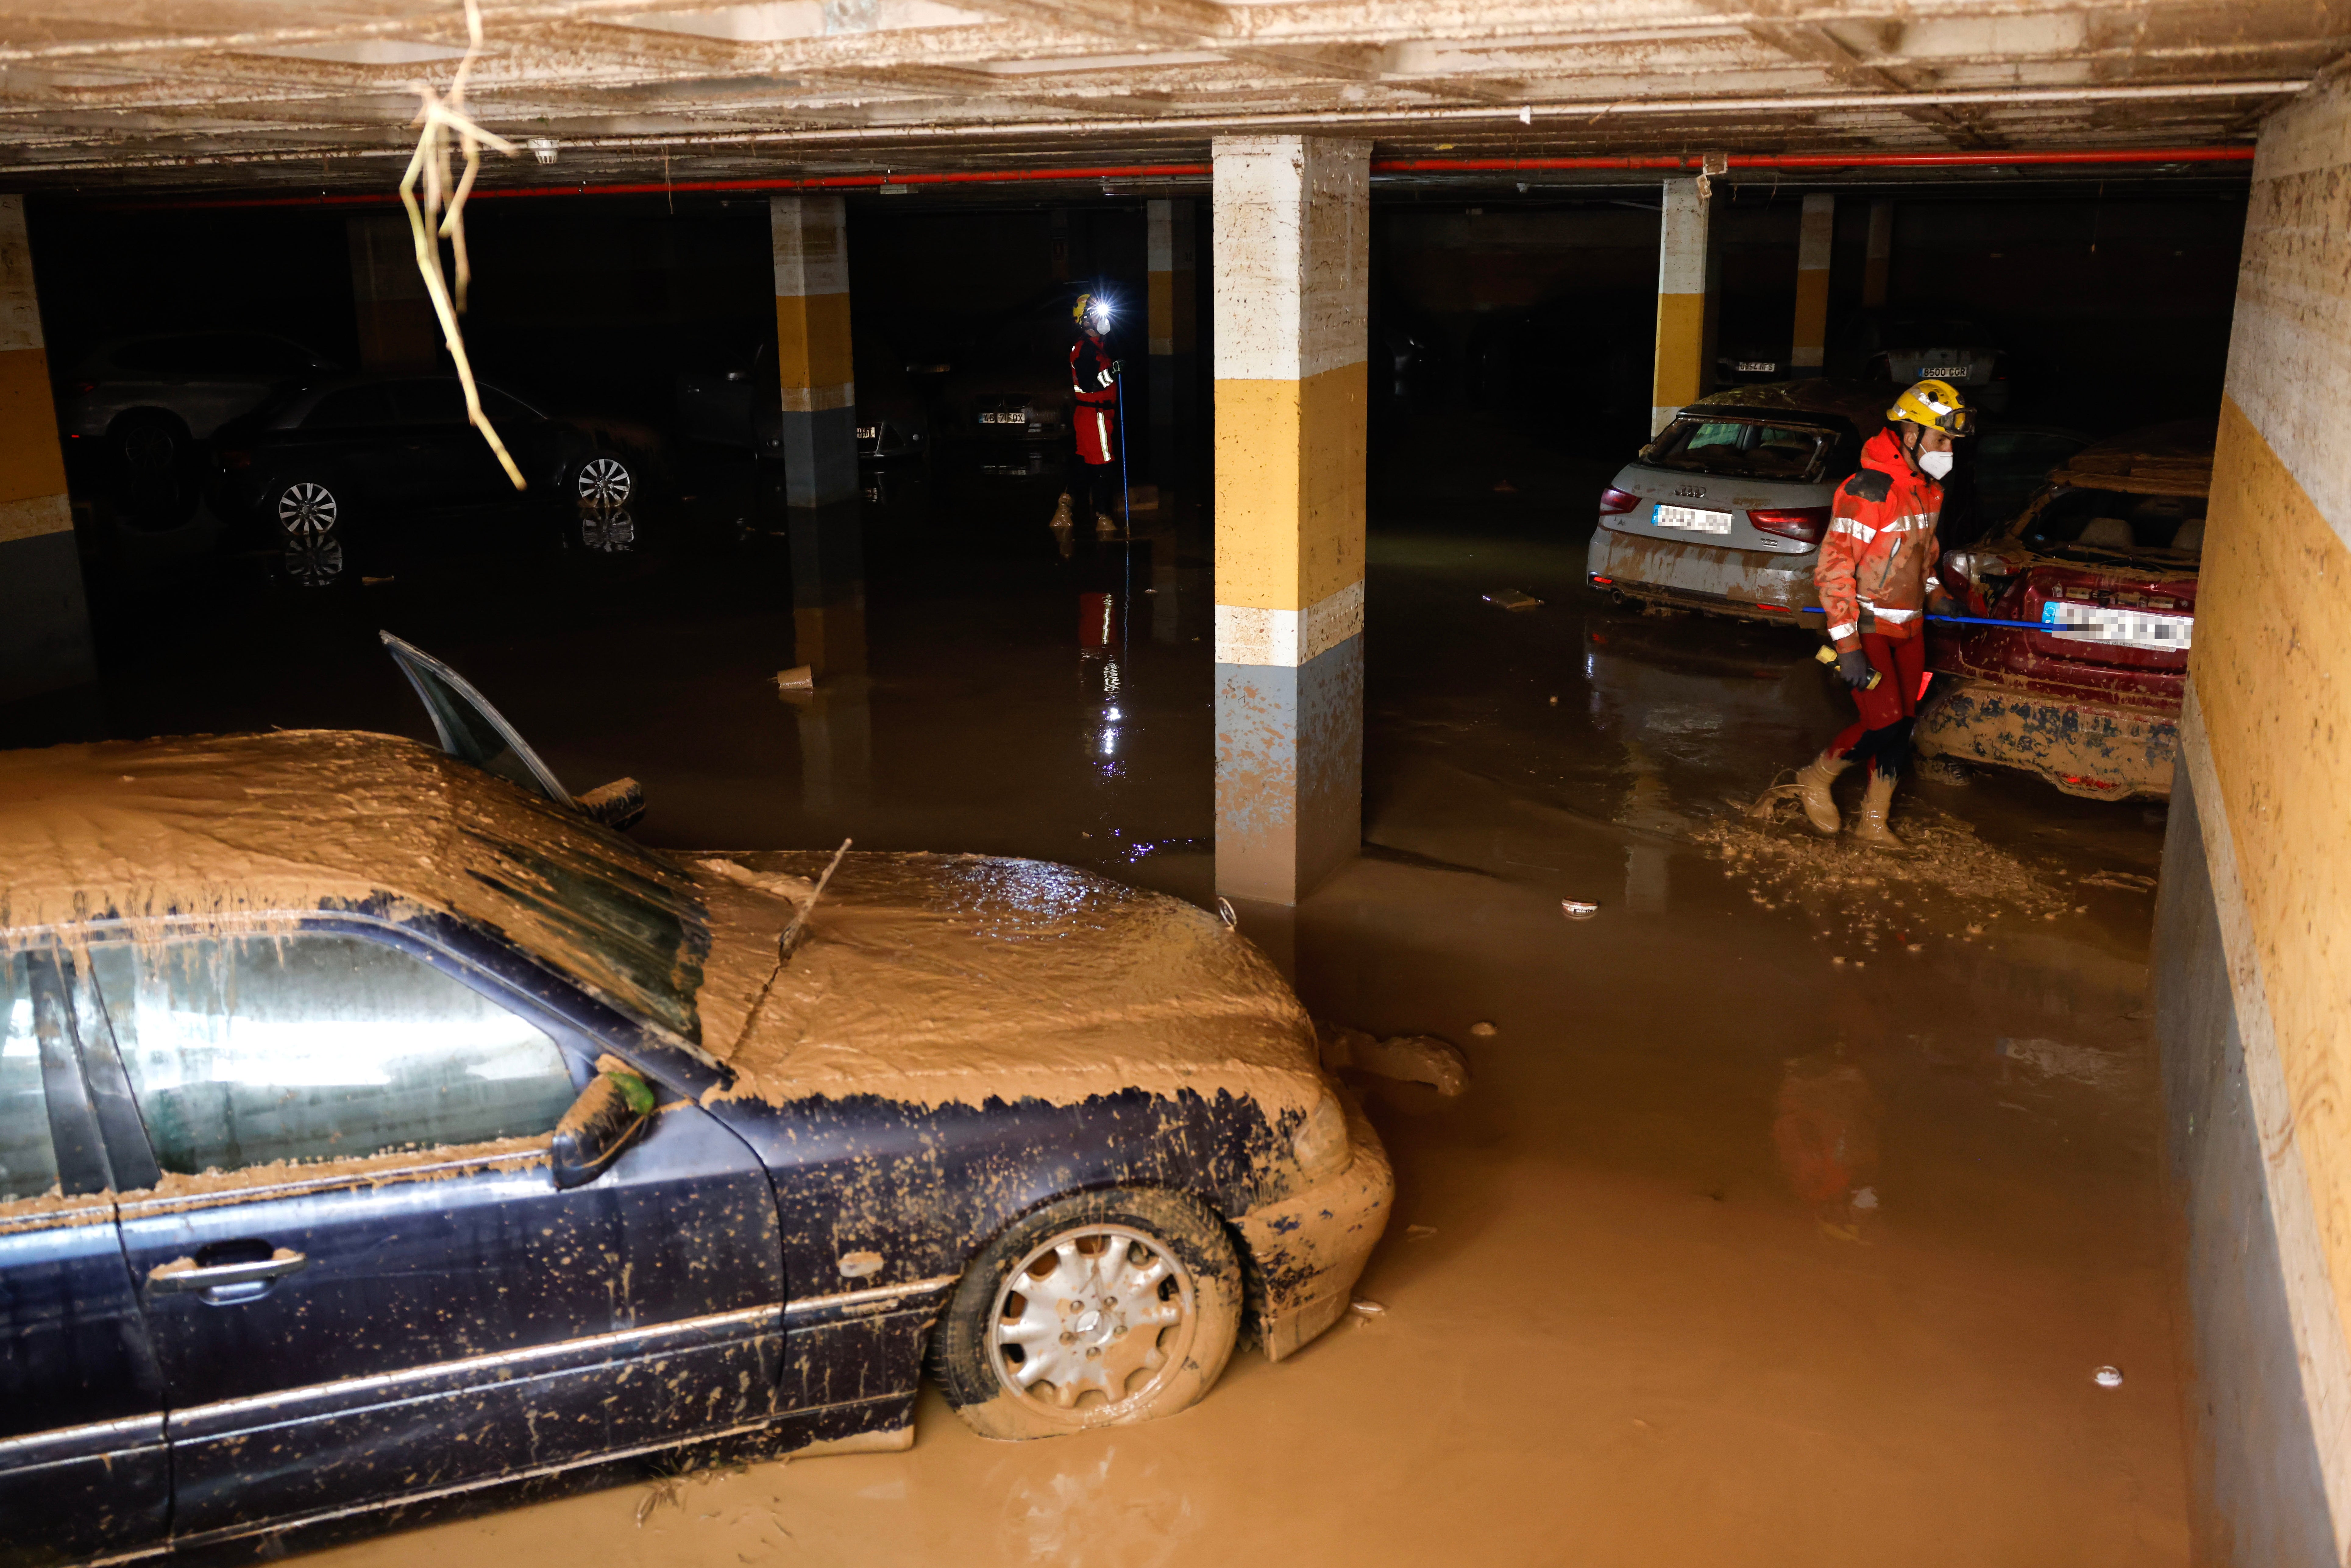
(2102, 751)
(1311, 1247)
(1760, 585)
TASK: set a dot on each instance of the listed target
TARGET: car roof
(1863, 407)
(237, 828)
(2171, 459)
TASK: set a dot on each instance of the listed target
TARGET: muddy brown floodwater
(1794, 1197)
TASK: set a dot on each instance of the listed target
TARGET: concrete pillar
(1813, 240)
(45, 642)
(1172, 257)
(1684, 271)
(392, 312)
(813, 358)
(2252, 940)
(1878, 260)
(1292, 218)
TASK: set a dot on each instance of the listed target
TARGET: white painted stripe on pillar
(1293, 249)
(1288, 638)
(816, 399)
(20, 310)
(1681, 247)
(30, 519)
(810, 245)
(2319, 1346)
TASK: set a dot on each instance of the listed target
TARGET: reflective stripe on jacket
(1877, 564)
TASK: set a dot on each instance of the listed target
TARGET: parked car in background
(141, 407)
(739, 404)
(2100, 574)
(381, 1130)
(1952, 346)
(1725, 509)
(325, 452)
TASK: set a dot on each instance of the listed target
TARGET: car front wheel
(304, 508)
(1100, 1310)
(604, 481)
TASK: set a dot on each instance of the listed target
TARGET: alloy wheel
(306, 511)
(1100, 1314)
(604, 482)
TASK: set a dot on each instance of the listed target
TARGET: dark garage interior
(1291, 745)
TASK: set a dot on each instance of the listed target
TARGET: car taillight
(83, 389)
(1613, 501)
(1805, 523)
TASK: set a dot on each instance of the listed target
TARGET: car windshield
(2107, 525)
(598, 907)
(1746, 448)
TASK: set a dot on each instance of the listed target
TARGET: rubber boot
(1813, 781)
(1876, 802)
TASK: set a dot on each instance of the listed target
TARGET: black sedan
(383, 1134)
(321, 455)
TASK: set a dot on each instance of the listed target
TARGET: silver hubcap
(306, 509)
(1095, 1317)
(604, 482)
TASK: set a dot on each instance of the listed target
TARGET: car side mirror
(609, 1114)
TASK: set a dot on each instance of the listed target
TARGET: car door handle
(185, 1276)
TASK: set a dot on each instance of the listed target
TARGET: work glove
(1854, 665)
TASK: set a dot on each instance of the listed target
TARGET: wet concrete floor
(1795, 1198)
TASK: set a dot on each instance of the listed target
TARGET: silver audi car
(1725, 510)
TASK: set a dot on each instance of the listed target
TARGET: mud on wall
(2255, 1010)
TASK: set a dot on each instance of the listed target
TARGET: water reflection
(1824, 1131)
(608, 530)
(314, 562)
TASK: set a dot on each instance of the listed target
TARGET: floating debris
(1578, 909)
(1513, 599)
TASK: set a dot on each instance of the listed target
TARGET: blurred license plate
(1764, 366)
(2081, 622)
(1945, 373)
(1695, 520)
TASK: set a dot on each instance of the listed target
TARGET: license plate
(1945, 373)
(2078, 622)
(864, 432)
(1765, 366)
(1693, 519)
(1020, 418)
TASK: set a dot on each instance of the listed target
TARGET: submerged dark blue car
(382, 1134)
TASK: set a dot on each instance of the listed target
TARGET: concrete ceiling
(250, 93)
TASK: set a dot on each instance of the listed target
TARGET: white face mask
(1935, 465)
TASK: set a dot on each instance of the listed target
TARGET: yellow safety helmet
(1089, 308)
(1078, 311)
(1937, 405)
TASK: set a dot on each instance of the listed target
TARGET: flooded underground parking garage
(1318, 783)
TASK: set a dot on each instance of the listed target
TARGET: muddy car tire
(1116, 1307)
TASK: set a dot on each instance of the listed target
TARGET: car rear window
(2105, 524)
(1745, 448)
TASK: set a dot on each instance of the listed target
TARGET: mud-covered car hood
(935, 978)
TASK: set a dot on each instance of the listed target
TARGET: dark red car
(2101, 568)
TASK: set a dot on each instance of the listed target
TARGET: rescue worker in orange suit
(1875, 571)
(1093, 489)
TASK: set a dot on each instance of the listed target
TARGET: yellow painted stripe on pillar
(2272, 666)
(813, 340)
(1681, 350)
(30, 463)
(1812, 316)
(1290, 487)
(1159, 296)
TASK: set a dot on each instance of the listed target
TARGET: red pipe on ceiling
(1202, 170)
